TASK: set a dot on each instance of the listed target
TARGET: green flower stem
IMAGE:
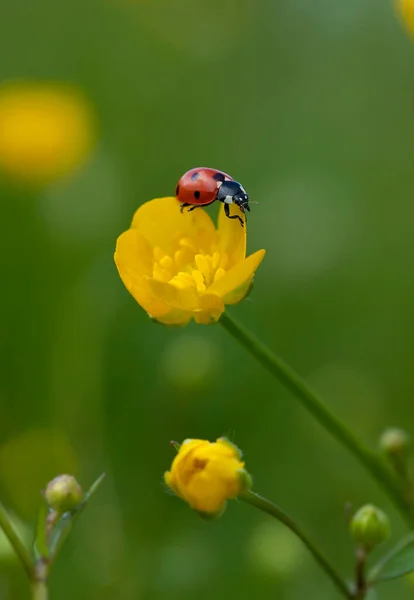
(39, 591)
(313, 403)
(16, 543)
(273, 510)
(39, 584)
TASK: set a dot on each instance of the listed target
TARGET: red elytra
(199, 186)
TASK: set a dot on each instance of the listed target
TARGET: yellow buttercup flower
(406, 10)
(178, 265)
(46, 131)
(207, 474)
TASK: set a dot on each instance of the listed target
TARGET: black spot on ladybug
(218, 177)
(177, 190)
(196, 194)
(195, 176)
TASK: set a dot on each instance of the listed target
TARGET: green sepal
(245, 481)
(211, 516)
(239, 453)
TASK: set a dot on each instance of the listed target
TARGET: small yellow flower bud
(207, 474)
(63, 493)
(406, 10)
(370, 526)
(394, 441)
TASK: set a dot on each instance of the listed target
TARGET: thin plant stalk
(314, 404)
(360, 578)
(16, 543)
(271, 509)
(39, 591)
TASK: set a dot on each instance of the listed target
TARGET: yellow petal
(162, 224)
(233, 286)
(208, 489)
(185, 299)
(205, 494)
(133, 258)
(185, 450)
(211, 309)
(181, 468)
(134, 253)
(134, 264)
(168, 479)
(227, 448)
(175, 317)
(232, 236)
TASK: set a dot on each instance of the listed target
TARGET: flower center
(188, 266)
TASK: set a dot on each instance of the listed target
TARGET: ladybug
(202, 186)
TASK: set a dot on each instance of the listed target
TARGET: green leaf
(397, 563)
(371, 595)
(60, 532)
(94, 487)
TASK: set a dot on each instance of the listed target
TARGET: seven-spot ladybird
(202, 186)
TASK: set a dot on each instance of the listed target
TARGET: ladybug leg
(227, 212)
(183, 206)
(194, 207)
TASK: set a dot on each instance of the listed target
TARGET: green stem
(314, 404)
(360, 578)
(39, 591)
(273, 510)
(16, 543)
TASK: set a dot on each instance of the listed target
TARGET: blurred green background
(311, 106)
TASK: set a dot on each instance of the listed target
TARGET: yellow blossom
(46, 130)
(406, 10)
(178, 265)
(206, 474)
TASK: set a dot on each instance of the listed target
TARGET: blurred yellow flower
(178, 265)
(406, 10)
(206, 474)
(46, 130)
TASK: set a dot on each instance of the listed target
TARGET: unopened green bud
(370, 526)
(63, 493)
(394, 441)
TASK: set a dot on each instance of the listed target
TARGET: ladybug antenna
(254, 202)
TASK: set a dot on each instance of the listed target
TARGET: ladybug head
(233, 192)
(242, 200)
